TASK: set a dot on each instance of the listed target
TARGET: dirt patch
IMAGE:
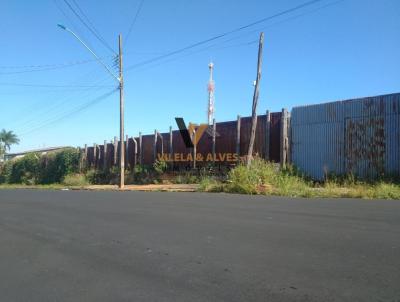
(159, 187)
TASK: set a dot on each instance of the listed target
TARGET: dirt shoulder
(149, 188)
(152, 187)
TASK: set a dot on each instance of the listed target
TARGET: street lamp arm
(91, 51)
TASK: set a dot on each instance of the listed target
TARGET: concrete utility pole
(121, 118)
(121, 97)
(255, 101)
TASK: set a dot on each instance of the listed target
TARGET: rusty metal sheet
(225, 143)
(359, 136)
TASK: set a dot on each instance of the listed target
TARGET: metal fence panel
(361, 136)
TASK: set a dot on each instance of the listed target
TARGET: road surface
(137, 246)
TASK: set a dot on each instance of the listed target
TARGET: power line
(87, 18)
(50, 91)
(69, 19)
(38, 68)
(195, 52)
(51, 65)
(287, 11)
(134, 20)
(278, 22)
(39, 110)
(73, 112)
(53, 86)
(89, 28)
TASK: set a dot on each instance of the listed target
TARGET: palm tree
(7, 138)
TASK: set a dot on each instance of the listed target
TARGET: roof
(41, 150)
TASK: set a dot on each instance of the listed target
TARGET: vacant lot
(137, 246)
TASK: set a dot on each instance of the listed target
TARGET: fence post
(194, 149)
(135, 152)
(284, 139)
(95, 156)
(170, 147)
(289, 138)
(162, 143)
(127, 155)
(80, 159)
(105, 155)
(238, 136)
(267, 134)
(213, 140)
(155, 146)
(85, 157)
(115, 151)
(140, 149)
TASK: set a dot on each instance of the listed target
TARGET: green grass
(71, 181)
(268, 179)
(262, 178)
(75, 180)
(39, 187)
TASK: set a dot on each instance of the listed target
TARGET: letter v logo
(191, 136)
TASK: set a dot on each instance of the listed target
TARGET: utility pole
(121, 118)
(255, 101)
(121, 99)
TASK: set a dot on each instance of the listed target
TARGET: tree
(7, 138)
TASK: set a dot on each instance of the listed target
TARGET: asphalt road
(135, 246)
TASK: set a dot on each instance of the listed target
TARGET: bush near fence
(34, 168)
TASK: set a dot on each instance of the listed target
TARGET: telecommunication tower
(210, 88)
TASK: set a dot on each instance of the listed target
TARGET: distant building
(41, 151)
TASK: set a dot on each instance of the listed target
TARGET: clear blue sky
(328, 51)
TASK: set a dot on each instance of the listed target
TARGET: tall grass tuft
(263, 177)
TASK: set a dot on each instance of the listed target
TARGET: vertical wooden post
(171, 151)
(239, 119)
(140, 148)
(155, 146)
(135, 152)
(255, 102)
(213, 140)
(162, 143)
(127, 165)
(194, 149)
(283, 140)
(267, 134)
(289, 139)
(95, 156)
(80, 160)
(115, 151)
(105, 155)
(86, 157)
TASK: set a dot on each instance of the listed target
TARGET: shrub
(25, 170)
(160, 166)
(185, 178)
(75, 180)
(210, 184)
(387, 191)
(55, 166)
(263, 177)
(5, 172)
(35, 169)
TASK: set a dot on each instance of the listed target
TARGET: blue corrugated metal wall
(361, 136)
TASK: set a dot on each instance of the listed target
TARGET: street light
(120, 80)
